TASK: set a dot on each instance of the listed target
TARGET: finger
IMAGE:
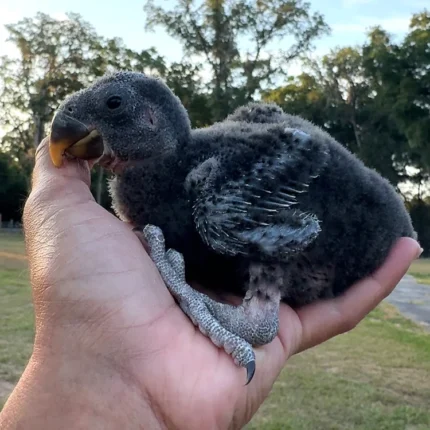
(326, 319)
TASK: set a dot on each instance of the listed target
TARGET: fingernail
(419, 252)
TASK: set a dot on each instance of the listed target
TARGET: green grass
(420, 270)
(16, 312)
(376, 377)
(12, 242)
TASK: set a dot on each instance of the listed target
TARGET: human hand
(113, 349)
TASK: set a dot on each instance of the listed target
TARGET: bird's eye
(114, 102)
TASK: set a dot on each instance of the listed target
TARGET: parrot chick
(263, 204)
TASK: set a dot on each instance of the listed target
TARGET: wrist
(76, 392)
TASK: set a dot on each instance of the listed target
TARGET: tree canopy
(373, 98)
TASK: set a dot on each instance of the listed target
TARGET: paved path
(412, 300)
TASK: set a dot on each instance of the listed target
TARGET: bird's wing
(251, 207)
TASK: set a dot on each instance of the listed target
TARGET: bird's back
(360, 215)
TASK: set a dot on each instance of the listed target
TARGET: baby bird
(263, 204)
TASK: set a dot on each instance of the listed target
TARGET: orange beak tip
(56, 151)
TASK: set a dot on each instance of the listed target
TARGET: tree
(371, 99)
(400, 75)
(214, 30)
(13, 188)
(56, 58)
(302, 95)
(185, 81)
(52, 63)
(403, 74)
(336, 95)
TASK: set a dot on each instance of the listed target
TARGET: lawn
(420, 270)
(375, 377)
(16, 312)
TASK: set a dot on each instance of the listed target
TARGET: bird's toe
(177, 262)
(153, 233)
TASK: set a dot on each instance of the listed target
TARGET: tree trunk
(39, 114)
(39, 130)
(356, 132)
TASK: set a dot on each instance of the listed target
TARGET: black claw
(250, 370)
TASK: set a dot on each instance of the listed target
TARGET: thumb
(72, 176)
(57, 199)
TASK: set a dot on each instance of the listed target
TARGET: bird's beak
(72, 136)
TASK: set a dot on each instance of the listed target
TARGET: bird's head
(125, 117)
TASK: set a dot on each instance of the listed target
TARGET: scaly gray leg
(172, 269)
(255, 321)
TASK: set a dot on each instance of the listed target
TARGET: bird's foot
(197, 306)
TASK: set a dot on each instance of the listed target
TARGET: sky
(349, 20)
